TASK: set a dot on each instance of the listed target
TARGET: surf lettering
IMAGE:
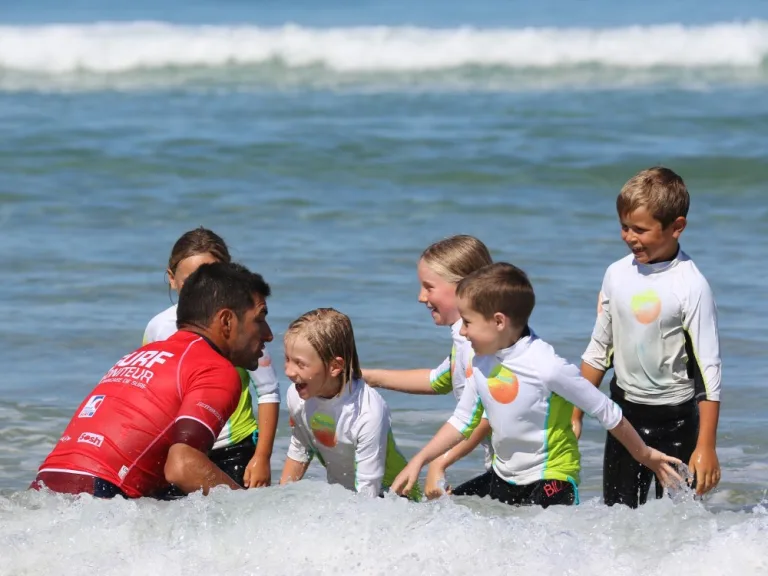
(132, 372)
(135, 367)
(146, 359)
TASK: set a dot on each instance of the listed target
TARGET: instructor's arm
(187, 465)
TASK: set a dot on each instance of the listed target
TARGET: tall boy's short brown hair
(499, 287)
(660, 190)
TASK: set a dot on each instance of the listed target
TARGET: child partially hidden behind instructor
(657, 326)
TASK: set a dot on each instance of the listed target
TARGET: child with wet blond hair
(334, 415)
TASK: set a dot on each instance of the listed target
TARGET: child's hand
(661, 464)
(576, 426)
(577, 421)
(705, 465)
(258, 473)
(407, 478)
(435, 477)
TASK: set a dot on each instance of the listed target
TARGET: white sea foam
(119, 47)
(312, 528)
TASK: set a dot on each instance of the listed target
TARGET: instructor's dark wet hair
(217, 286)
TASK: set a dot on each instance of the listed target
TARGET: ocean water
(329, 144)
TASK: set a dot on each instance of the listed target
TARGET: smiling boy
(527, 393)
(657, 326)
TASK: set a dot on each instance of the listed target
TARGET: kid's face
(438, 295)
(646, 238)
(306, 370)
(186, 267)
(484, 334)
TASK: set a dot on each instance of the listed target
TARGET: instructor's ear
(226, 322)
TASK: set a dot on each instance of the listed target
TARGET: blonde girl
(441, 267)
(334, 415)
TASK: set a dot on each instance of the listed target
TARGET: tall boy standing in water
(657, 325)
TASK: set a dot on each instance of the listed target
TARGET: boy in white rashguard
(334, 415)
(527, 393)
(657, 326)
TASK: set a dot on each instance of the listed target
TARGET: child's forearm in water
(293, 471)
(463, 448)
(435, 481)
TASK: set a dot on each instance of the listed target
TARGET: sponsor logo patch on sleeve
(90, 438)
(91, 406)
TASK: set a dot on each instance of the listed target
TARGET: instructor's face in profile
(249, 335)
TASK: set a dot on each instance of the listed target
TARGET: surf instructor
(153, 417)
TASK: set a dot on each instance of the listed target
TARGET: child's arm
(597, 357)
(409, 381)
(437, 381)
(259, 472)
(594, 377)
(657, 461)
(267, 391)
(465, 420)
(438, 466)
(293, 471)
(299, 449)
(297, 462)
(564, 380)
(446, 438)
(700, 325)
(704, 463)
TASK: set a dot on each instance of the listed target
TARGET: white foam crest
(120, 47)
(312, 528)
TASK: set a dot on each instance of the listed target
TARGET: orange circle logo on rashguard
(324, 429)
(468, 371)
(646, 306)
(503, 384)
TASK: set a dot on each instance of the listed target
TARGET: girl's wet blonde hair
(330, 333)
(456, 257)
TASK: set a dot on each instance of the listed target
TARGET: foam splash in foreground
(312, 528)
